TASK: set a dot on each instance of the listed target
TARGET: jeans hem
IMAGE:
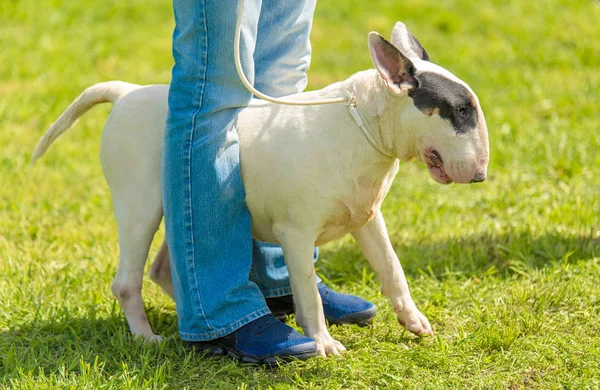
(215, 334)
(276, 292)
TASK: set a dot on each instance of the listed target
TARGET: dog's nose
(479, 177)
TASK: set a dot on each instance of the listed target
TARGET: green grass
(508, 271)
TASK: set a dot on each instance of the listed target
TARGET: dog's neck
(380, 111)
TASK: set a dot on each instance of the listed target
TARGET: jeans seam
(190, 260)
(215, 334)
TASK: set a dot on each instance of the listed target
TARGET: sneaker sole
(270, 361)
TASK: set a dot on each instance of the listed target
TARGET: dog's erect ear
(407, 43)
(396, 70)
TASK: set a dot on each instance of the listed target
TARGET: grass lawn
(507, 271)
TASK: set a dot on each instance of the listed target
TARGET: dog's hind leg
(137, 226)
(160, 271)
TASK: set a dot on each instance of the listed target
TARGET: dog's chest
(356, 207)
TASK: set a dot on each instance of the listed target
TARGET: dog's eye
(462, 110)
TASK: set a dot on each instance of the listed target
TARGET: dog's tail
(110, 91)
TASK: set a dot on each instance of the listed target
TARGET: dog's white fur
(309, 173)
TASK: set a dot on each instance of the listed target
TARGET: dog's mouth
(435, 164)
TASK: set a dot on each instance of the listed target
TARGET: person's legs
(283, 49)
(207, 222)
(282, 58)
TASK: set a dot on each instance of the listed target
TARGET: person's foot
(263, 341)
(339, 309)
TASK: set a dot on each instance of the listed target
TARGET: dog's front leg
(298, 251)
(374, 241)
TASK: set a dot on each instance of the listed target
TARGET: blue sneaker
(262, 341)
(339, 309)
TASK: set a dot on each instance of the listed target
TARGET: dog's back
(133, 137)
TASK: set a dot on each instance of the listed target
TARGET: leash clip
(350, 98)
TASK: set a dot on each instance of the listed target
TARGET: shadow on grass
(469, 257)
(67, 343)
(93, 353)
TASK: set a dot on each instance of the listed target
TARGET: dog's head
(443, 115)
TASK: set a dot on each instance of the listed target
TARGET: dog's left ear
(396, 69)
(407, 43)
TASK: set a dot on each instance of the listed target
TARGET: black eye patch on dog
(450, 100)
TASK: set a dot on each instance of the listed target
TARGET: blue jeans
(220, 274)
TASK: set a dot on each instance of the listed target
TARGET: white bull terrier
(310, 174)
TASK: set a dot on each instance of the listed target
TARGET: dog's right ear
(396, 70)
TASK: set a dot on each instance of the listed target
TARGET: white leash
(238, 65)
(349, 98)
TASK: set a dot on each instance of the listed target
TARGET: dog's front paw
(149, 339)
(412, 319)
(327, 346)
